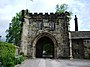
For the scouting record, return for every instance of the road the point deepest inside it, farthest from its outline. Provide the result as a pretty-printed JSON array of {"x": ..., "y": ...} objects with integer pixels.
[{"x": 55, "y": 63}]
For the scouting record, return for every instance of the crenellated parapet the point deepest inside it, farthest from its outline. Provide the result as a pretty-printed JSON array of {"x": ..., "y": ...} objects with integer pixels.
[{"x": 26, "y": 14}]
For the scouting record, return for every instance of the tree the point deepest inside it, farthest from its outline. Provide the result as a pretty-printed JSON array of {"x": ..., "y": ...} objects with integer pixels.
[
  {"x": 62, "y": 9},
  {"x": 14, "y": 31}
]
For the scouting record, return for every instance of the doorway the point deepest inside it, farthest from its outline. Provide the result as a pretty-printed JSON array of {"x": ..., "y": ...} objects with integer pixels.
[{"x": 44, "y": 48}]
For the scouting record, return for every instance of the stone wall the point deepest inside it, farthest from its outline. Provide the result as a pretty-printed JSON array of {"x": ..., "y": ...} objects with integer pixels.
[
  {"x": 24, "y": 37},
  {"x": 78, "y": 48}
]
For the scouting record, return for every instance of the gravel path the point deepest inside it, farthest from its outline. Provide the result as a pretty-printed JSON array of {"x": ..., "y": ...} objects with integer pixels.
[{"x": 54, "y": 63}]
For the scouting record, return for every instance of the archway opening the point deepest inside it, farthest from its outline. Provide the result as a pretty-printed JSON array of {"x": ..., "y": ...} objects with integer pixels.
[{"x": 45, "y": 48}]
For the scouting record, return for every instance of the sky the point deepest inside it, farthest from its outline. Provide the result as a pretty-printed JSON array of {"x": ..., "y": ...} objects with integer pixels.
[{"x": 9, "y": 8}]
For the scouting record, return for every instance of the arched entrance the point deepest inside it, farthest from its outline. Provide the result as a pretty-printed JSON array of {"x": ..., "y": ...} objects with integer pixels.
[
  {"x": 40, "y": 42},
  {"x": 45, "y": 48}
]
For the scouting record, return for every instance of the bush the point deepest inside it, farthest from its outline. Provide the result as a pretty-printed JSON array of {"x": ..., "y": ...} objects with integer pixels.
[
  {"x": 7, "y": 54},
  {"x": 0, "y": 64},
  {"x": 11, "y": 64},
  {"x": 19, "y": 59}
]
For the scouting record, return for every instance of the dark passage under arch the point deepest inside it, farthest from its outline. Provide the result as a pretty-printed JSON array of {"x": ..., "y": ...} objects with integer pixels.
[{"x": 45, "y": 48}]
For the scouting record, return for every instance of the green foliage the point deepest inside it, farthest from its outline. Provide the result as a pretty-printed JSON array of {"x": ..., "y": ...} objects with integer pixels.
[
  {"x": 19, "y": 59},
  {"x": 14, "y": 31},
  {"x": 7, "y": 54},
  {"x": 48, "y": 48},
  {"x": 0, "y": 64},
  {"x": 62, "y": 9}
]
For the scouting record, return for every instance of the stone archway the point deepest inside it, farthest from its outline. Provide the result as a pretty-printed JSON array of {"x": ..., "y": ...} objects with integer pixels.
[
  {"x": 44, "y": 48},
  {"x": 41, "y": 38}
]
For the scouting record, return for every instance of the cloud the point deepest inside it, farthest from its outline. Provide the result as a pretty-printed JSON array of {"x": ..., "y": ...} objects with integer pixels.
[
  {"x": 46, "y": 5},
  {"x": 9, "y": 8},
  {"x": 81, "y": 9}
]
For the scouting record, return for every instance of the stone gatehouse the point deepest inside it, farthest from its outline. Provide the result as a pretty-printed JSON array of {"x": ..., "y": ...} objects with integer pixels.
[{"x": 40, "y": 29}]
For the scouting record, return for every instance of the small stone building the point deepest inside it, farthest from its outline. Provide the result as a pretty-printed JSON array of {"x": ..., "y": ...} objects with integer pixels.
[
  {"x": 40, "y": 31},
  {"x": 80, "y": 44}
]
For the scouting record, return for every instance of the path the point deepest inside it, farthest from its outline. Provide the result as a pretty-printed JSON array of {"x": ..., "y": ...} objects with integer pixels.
[{"x": 55, "y": 63}]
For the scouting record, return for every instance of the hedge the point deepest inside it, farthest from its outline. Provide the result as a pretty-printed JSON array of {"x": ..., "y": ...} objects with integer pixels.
[
  {"x": 7, "y": 54},
  {"x": 19, "y": 59}
]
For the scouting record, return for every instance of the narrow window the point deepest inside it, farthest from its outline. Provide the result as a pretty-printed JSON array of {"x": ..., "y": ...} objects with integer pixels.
[
  {"x": 88, "y": 41},
  {"x": 76, "y": 51},
  {"x": 39, "y": 25},
  {"x": 52, "y": 26}
]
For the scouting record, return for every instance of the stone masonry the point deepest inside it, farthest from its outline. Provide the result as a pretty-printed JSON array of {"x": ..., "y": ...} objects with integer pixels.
[{"x": 36, "y": 26}]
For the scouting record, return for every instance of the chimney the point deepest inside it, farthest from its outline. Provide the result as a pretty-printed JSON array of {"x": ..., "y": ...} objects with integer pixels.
[
  {"x": 0, "y": 38},
  {"x": 76, "y": 23}
]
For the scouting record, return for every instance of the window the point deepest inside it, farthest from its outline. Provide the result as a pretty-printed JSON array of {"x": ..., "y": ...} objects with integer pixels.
[
  {"x": 88, "y": 41},
  {"x": 46, "y": 25},
  {"x": 76, "y": 51},
  {"x": 84, "y": 41},
  {"x": 40, "y": 25},
  {"x": 52, "y": 26}
]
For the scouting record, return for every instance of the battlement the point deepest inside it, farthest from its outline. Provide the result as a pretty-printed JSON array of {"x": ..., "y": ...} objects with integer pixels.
[{"x": 44, "y": 15}]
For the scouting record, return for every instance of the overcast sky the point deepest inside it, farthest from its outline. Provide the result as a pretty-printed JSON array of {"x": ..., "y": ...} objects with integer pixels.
[{"x": 9, "y": 8}]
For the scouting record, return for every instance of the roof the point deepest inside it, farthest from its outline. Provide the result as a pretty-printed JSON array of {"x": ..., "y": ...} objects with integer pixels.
[{"x": 80, "y": 34}]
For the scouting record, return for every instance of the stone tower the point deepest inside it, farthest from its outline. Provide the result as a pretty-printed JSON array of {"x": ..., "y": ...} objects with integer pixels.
[{"x": 40, "y": 29}]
